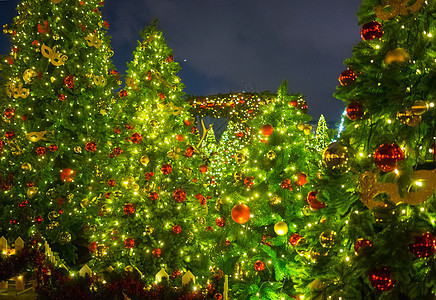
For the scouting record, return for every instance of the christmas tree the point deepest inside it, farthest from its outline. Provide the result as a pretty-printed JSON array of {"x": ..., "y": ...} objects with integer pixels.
[
  {"x": 375, "y": 237},
  {"x": 322, "y": 135},
  {"x": 57, "y": 90},
  {"x": 260, "y": 193},
  {"x": 151, "y": 212}
]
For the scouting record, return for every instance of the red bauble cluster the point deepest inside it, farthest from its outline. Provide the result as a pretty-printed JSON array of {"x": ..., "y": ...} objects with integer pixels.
[
  {"x": 69, "y": 81},
  {"x": 371, "y": 30},
  {"x": 39, "y": 219},
  {"x": 220, "y": 222},
  {"x": 248, "y": 181},
  {"x": 148, "y": 175},
  {"x": 92, "y": 247},
  {"x": 176, "y": 273},
  {"x": 53, "y": 148},
  {"x": 111, "y": 182},
  {"x": 361, "y": 245},
  {"x": 241, "y": 213},
  {"x": 22, "y": 204},
  {"x": 62, "y": 97},
  {"x": 347, "y": 77},
  {"x": 177, "y": 229},
  {"x": 314, "y": 204},
  {"x": 355, "y": 110},
  {"x": 157, "y": 252},
  {"x": 301, "y": 179},
  {"x": 179, "y": 195},
  {"x": 179, "y": 137},
  {"x": 201, "y": 198},
  {"x": 90, "y": 146},
  {"x": 189, "y": 152},
  {"x": 295, "y": 239},
  {"x": 9, "y": 134},
  {"x": 424, "y": 245},
  {"x": 136, "y": 138},
  {"x": 286, "y": 184},
  {"x": 153, "y": 196},
  {"x": 267, "y": 130},
  {"x": 9, "y": 112},
  {"x": 67, "y": 174},
  {"x": 123, "y": 93},
  {"x": 381, "y": 279},
  {"x": 149, "y": 76},
  {"x": 129, "y": 209},
  {"x": 203, "y": 169},
  {"x": 129, "y": 243},
  {"x": 166, "y": 169},
  {"x": 13, "y": 222},
  {"x": 41, "y": 151},
  {"x": 259, "y": 266},
  {"x": 386, "y": 157}
]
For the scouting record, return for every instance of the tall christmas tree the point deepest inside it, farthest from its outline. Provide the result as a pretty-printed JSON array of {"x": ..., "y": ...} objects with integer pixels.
[
  {"x": 56, "y": 91},
  {"x": 260, "y": 197},
  {"x": 150, "y": 216},
  {"x": 375, "y": 237}
]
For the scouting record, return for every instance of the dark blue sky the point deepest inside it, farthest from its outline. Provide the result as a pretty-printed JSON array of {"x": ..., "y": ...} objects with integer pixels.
[{"x": 233, "y": 45}]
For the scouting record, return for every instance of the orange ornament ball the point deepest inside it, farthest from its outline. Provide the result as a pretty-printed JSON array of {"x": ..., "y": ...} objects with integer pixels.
[
  {"x": 241, "y": 213},
  {"x": 267, "y": 129}
]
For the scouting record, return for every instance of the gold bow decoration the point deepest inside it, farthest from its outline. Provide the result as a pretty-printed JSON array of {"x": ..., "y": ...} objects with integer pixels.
[
  {"x": 93, "y": 41},
  {"x": 57, "y": 59},
  {"x": 392, "y": 8},
  {"x": 36, "y": 136},
  {"x": 15, "y": 149},
  {"x": 16, "y": 90},
  {"x": 100, "y": 80},
  {"x": 423, "y": 181}
]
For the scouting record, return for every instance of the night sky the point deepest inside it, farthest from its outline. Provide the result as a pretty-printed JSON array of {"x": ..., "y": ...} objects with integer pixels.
[{"x": 240, "y": 45}]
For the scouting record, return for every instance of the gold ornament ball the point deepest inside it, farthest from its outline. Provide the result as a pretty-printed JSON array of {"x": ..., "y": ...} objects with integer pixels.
[
  {"x": 56, "y": 37},
  {"x": 135, "y": 187},
  {"x": 335, "y": 157},
  {"x": 51, "y": 193},
  {"x": 104, "y": 210},
  {"x": 414, "y": 121},
  {"x": 148, "y": 229},
  {"x": 52, "y": 225},
  {"x": 31, "y": 192},
  {"x": 65, "y": 237},
  {"x": 53, "y": 215},
  {"x": 128, "y": 269},
  {"x": 271, "y": 154},
  {"x": 100, "y": 251},
  {"x": 153, "y": 123},
  {"x": 29, "y": 75},
  {"x": 398, "y": 55},
  {"x": 240, "y": 157},
  {"x": 281, "y": 228},
  {"x": 145, "y": 160},
  {"x": 117, "y": 194},
  {"x": 419, "y": 107},
  {"x": 275, "y": 200},
  {"x": 78, "y": 149},
  {"x": 26, "y": 167},
  {"x": 327, "y": 238}
]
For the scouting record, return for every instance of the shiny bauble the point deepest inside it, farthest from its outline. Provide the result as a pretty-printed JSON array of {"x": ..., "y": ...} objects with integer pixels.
[
  {"x": 281, "y": 228},
  {"x": 419, "y": 107},
  {"x": 271, "y": 154},
  {"x": 267, "y": 130},
  {"x": 145, "y": 160},
  {"x": 424, "y": 245},
  {"x": 129, "y": 209},
  {"x": 301, "y": 179},
  {"x": 336, "y": 157},
  {"x": 259, "y": 266},
  {"x": 313, "y": 202},
  {"x": 355, "y": 111},
  {"x": 295, "y": 239},
  {"x": 78, "y": 149},
  {"x": 129, "y": 243},
  {"x": 362, "y": 245},
  {"x": 386, "y": 157},
  {"x": 220, "y": 222},
  {"x": 32, "y": 191},
  {"x": 241, "y": 213},
  {"x": 371, "y": 30},
  {"x": 381, "y": 279},
  {"x": 327, "y": 238},
  {"x": 398, "y": 55},
  {"x": 347, "y": 78},
  {"x": 64, "y": 237}
]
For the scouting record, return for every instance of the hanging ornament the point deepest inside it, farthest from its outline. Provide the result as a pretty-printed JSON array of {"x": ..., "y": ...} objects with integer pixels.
[
  {"x": 281, "y": 228},
  {"x": 53, "y": 215},
  {"x": 203, "y": 169},
  {"x": 347, "y": 78},
  {"x": 267, "y": 130},
  {"x": 41, "y": 151},
  {"x": 240, "y": 158},
  {"x": 355, "y": 111},
  {"x": 157, "y": 252},
  {"x": 419, "y": 107},
  {"x": 386, "y": 157},
  {"x": 259, "y": 266},
  {"x": 335, "y": 157},
  {"x": 153, "y": 196},
  {"x": 179, "y": 195},
  {"x": 286, "y": 184},
  {"x": 271, "y": 155},
  {"x": 129, "y": 243},
  {"x": 218, "y": 296},
  {"x": 248, "y": 181},
  {"x": 295, "y": 239},
  {"x": 371, "y": 30},
  {"x": 312, "y": 199},
  {"x": 129, "y": 209},
  {"x": 32, "y": 191},
  {"x": 362, "y": 245},
  {"x": 77, "y": 149},
  {"x": 56, "y": 59},
  {"x": 237, "y": 176},
  {"x": 306, "y": 128},
  {"x": 424, "y": 245},
  {"x": 65, "y": 237},
  {"x": 9, "y": 112},
  {"x": 381, "y": 279},
  {"x": 43, "y": 28},
  {"x": 220, "y": 222},
  {"x": 111, "y": 182},
  {"x": 39, "y": 220},
  {"x": 136, "y": 138},
  {"x": 9, "y": 135},
  {"x": 407, "y": 117},
  {"x": 90, "y": 146},
  {"x": 241, "y": 213},
  {"x": 29, "y": 76},
  {"x": 179, "y": 137},
  {"x": 166, "y": 169},
  {"x": 53, "y": 148},
  {"x": 398, "y": 55},
  {"x": 144, "y": 160},
  {"x": 177, "y": 229},
  {"x": 67, "y": 174},
  {"x": 93, "y": 41},
  {"x": 301, "y": 179},
  {"x": 327, "y": 238}
]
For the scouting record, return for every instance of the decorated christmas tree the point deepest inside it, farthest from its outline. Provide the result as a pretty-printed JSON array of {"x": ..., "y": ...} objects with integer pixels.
[
  {"x": 375, "y": 237},
  {"x": 259, "y": 195},
  {"x": 56, "y": 86},
  {"x": 150, "y": 215}
]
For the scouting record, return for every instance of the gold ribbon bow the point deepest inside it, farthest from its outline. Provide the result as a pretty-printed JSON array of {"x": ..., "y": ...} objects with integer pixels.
[
  {"x": 100, "y": 80},
  {"x": 93, "y": 40},
  {"x": 16, "y": 90},
  {"x": 36, "y": 136},
  {"x": 55, "y": 58}
]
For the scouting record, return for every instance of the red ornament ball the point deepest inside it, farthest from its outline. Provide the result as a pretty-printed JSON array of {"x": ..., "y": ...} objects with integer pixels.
[
  {"x": 177, "y": 229},
  {"x": 90, "y": 146},
  {"x": 220, "y": 222},
  {"x": 62, "y": 97},
  {"x": 129, "y": 243},
  {"x": 179, "y": 195},
  {"x": 9, "y": 112},
  {"x": 69, "y": 81},
  {"x": 176, "y": 273},
  {"x": 314, "y": 204},
  {"x": 39, "y": 220},
  {"x": 67, "y": 174},
  {"x": 259, "y": 266},
  {"x": 203, "y": 169},
  {"x": 381, "y": 279},
  {"x": 386, "y": 157},
  {"x": 92, "y": 247},
  {"x": 123, "y": 93},
  {"x": 241, "y": 213},
  {"x": 361, "y": 245},
  {"x": 347, "y": 77},
  {"x": 53, "y": 148},
  {"x": 424, "y": 245},
  {"x": 189, "y": 152},
  {"x": 293, "y": 103},
  {"x": 153, "y": 196},
  {"x": 129, "y": 209},
  {"x": 248, "y": 181},
  {"x": 286, "y": 184},
  {"x": 157, "y": 252},
  {"x": 111, "y": 182},
  {"x": 179, "y": 137},
  {"x": 371, "y": 30},
  {"x": 218, "y": 296},
  {"x": 267, "y": 129},
  {"x": 355, "y": 110},
  {"x": 301, "y": 179},
  {"x": 166, "y": 169},
  {"x": 41, "y": 151},
  {"x": 9, "y": 134},
  {"x": 136, "y": 138},
  {"x": 22, "y": 204},
  {"x": 295, "y": 239},
  {"x": 13, "y": 222}
]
